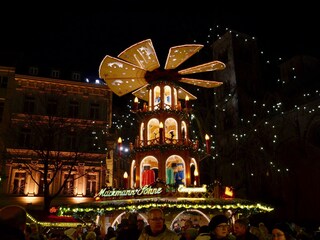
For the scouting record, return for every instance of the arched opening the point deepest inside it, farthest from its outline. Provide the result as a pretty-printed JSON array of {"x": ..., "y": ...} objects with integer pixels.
[{"x": 148, "y": 170}]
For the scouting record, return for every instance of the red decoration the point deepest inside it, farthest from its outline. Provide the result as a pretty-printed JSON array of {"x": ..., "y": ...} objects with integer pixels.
[{"x": 148, "y": 177}]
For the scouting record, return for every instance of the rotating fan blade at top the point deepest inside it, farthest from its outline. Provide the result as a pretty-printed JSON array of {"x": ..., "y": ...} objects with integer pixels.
[
  {"x": 179, "y": 54},
  {"x": 120, "y": 76},
  {"x": 141, "y": 54},
  {"x": 138, "y": 66},
  {"x": 201, "y": 83},
  {"x": 206, "y": 67}
]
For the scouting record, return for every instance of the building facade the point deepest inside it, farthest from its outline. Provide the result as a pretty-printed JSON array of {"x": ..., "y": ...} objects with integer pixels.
[{"x": 55, "y": 137}]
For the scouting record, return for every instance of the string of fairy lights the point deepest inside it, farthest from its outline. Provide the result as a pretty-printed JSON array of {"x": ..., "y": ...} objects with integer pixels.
[
  {"x": 264, "y": 117},
  {"x": 271, "y": 111}
]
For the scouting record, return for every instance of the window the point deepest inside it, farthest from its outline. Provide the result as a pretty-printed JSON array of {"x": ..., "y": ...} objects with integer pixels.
[
  {"x": 29, "y": 105},
  {"x": 25, "y": 137},
  {"x": 167, "y": 97},
  {"x": 41, "y": 183},
  {"x": 157, "y": 98},
  {"x": 69, "y": 186},
  {"x": 33, "y": 71},
  {"x": 92, "y": 143},
  {"x": 19, "y": 183},
  {"x": 55, "y": 73},
  {"x": 3, "y": 81},
  {"x": 91, "y": 185},
  {"x": 94, "y": 111},
  {"x": 76, "y": 76},
  {"x": 73, "y": 109},
  {"x": 1, "y": 110},
  {"x": 71, "y": 142},
  {"x": 52, "y": 107}
]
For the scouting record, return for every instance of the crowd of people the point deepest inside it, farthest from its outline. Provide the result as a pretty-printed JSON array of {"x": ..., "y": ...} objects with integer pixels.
[{"x": 13, "y": 226}]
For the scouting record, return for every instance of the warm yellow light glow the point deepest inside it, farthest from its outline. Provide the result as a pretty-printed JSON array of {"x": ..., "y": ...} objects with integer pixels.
[
  {"x": 125, "y": 175},
  {"x": 189, "y": 190},
  {"x": 161, "y": 125},
  {"x": 207, "y": 137},
  {"x": 32, "y": 200},
  {"x": 228, "y": 191},
  {"x": 136, "y": 100},
  {"x": 187, "y": 98},
  {"x": 206, "y": 67},
  {"x": 119, "y": 140},
  {"x": 179, "y": 54},
  {"x": 196, "y": 173},
  {"x": 77, "y": 200}
]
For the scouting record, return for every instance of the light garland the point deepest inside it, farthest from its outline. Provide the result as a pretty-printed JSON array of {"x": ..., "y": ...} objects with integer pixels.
[{"x": 139, "y": 205}]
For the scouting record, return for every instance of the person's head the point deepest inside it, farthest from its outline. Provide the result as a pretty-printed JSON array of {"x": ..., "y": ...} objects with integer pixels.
[
  {"x": 188, "y": 224},
  {"x": 125, "y": 223},
  {"x": 14, "y": 216},
  {"x": 91, "y": 236},
  {"x": 34, "y": 228},
  {"x": 191, "y": 233},
  {"x": 110, "y": 230},
  {"x": 79, "y": 228},
  {"x": 282, "y": 231},
  {"x": 176, "y": 227},
  {"x": 133, "y": 218},
  {"x": 156, "y": 220},
  {"x": 180, "y": 167},
  {"x": 219, "y": 226},
  {"x": 140, "y": 224},
  {"x": 263, "y": 229},
  {"x": 241, "y": 226},
  {"x": 146, "y": 166},
  {"x": 53, "y": 236}
]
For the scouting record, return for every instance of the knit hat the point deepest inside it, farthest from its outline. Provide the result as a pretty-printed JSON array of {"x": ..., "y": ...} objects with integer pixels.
[
  {"x": 284, "y": 227},
  {"x": 216, "y": 220}
]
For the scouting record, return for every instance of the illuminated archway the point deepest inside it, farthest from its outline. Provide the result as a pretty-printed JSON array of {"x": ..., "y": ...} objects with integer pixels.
[
  {"x": 185, "y": 214},
  {"x": 133, "y": 170},
  {"x": 153, "y": 129},
  {"x": 171, "y": 127},
  {"x": 152, "y": 163},
  {"x": 118, "y": 219},
  {"x": 173, "y": 164}
]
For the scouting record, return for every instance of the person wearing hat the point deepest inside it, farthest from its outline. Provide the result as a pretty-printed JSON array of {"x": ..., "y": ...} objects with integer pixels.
[
  {"x": 13, "y": 222},
  {"x": 282, "y": 231},
  {"x": 219, "y": 227}
]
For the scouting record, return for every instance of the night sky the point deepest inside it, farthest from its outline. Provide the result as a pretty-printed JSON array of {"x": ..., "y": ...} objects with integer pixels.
[{"x": 80, "y": 39}]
